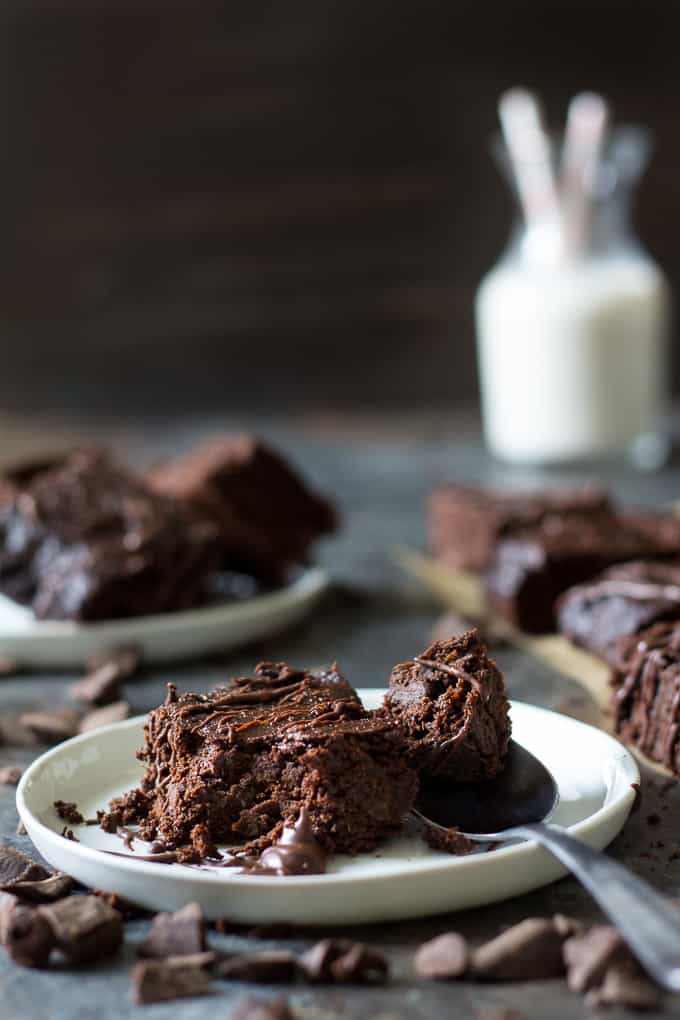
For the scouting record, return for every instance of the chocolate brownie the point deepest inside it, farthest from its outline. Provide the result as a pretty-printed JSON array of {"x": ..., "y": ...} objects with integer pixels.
[
  {"x": 234, "y": 765},
  {"x": 451, "y": 705},
  {"x": 534, "y": 565},
  {"x": 82, "y": 538},
  {"x": 647, "y": 693},
  {"x": 266, "y": 516},
  {"x": 603, "y": 614},
  {"x": 465, "y": 522}
]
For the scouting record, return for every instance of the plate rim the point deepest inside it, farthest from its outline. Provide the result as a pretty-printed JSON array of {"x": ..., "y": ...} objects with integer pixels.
[{"x": 622, "y": 804}]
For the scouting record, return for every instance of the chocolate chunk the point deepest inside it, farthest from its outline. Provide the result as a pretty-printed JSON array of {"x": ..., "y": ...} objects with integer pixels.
[
  {"x": 10, "y": 775},
  {"x": 177, "y": 934},
  {"x": 17, "y": 867},
  {"x": 113, "y": 713},
  {"x": 84, "y": 927},
  {"x": 360, "y": 964},
  {"x": 51, "y": 727},
  {"x": 442, "y": 958},
  {"x": 626, "y": 985},
  {"x": 128, "y": 911},
  {"x": 530, "y": 950},
  {"x": 268, "y": 967},
  {"x": 68, "y": 811},
  {"x": 99, "y": 687},
  {"x": 588, "y": 956},
  {"x": 163, "y": 980},
  {"x": 24, "y": 933},
  {"x": 567, "y": 926},
  {"x": 341, "y": 960},
  {"x": 126, "y": 659},
  {"x": 44, "y": 890},
  {"x": 261, "y": 1009}
]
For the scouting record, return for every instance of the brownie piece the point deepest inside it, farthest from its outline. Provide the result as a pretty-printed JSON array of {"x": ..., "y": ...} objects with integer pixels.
[
  {"x": 536, "y": 564},
  {"x": 234, "y": 765},
  {"x": 647, "y": 693},
  {"x": 603, "y": 614},
  {"x": 266, "y": 516},
  {"x": 465, "y": 522},
  {"x": 82, "y": 538},
  {"x": 451, "y": 705}
]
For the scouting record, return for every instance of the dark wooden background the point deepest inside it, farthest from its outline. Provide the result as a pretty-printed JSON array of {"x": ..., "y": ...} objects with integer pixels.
[{"x": 283, "y": 203}]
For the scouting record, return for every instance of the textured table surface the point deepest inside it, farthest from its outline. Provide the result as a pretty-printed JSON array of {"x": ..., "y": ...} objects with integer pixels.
[{"x": 380, "y": 470}]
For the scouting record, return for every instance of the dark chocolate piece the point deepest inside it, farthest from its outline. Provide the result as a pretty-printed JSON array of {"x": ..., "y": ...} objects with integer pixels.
[
  {"x": 588, "y": 956},
  {"x": 273, "y": 966},
  {"x": 164, "y": 980},
  {"x": 603, "y": 614},
  {"x": 237, "y": 763},
  {"x": 51, "y": 727},
  {"x": 84, "y": 927},
  {"x": 340, "y": 960},
  {"x": 24, "y": 933},
  {"x": 451, "y": 706},
  {"x": 113, "y": 713},
  {"x": 43, "y": 890},
  {"x": 17, "y": 867},
  {"x": 530, "y": 950},
  {"x": 625, "y": 984},
  {"x": 646, "y": 698},
  {"x": 533, "y": 566},
  {"x": 10, "y": 775},
  {"x": 261, "y": 1009},
  {"x": 265, "y": 515},
  {"x": 465, "y": 522},
  {"x": 443, "y": 958},
  {"x": 68, "y": 812},
  {"x": 178, "y": 934},
  {"x": 84, "y": 539}
]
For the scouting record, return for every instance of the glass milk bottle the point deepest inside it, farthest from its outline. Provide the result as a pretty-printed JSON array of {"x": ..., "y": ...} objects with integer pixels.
[{"x": 572, "y": 341}]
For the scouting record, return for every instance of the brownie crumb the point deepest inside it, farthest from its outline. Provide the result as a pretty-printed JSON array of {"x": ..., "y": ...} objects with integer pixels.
[
  {"x": 178, "y": 934},
  {"x": 164, "y": 980},
  {"x": 69, "y": 834},
  {"x": 448, "y": 841},
  {"x": 68, "y": 812},
  {"x": 10, "y": 775},
  {"x": 442, "y": 958},
  {"x": 84, "y": 927},
  {"x": 261, "y": 1009}
]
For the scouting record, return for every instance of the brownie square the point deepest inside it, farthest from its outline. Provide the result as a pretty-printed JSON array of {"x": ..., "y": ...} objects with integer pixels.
[
  {"x": 535, "y": 565},
  {"x": 234, "y": 765},
  {"x": 465, "y": 522},
  {"x": 81, "y": 538},
  {"x": 603, "y": 614},
  {"x": 647, "y": 693},
  {"x": 450, "y": 703},
  {"x": 266, "y": 516}
]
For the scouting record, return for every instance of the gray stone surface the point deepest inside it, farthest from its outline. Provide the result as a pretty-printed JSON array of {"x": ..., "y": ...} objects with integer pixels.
[{"x": 380, "y": 471}]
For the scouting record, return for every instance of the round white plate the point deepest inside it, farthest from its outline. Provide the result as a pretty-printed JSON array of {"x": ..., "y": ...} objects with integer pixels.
[
  {"x": 402, "y": 879},
  {"x": 163, "y": 638}
]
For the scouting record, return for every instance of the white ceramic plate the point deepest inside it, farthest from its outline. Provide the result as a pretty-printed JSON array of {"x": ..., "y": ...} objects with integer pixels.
[
  {"x": 163, "y": 638},
  {"x": 402, "y": 879}
]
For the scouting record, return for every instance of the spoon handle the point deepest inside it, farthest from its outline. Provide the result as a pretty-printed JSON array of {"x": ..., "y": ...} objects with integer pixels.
[{"x": 645, "y": 920}]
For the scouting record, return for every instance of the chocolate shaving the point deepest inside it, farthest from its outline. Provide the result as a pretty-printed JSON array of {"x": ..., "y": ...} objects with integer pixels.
[
  {"x": 10, "y": 775},
  {"x": 443, "y": 958},
  {"x": 68, "y": 812},
  {"x": 530, "y": 950},
  {"x": 113, "y": 713},
  {"x": 164, "y": 980},
  {"x": 261, "y": 1009},
  {"x": 274, "y": 966},
  {"x": 84, "y": 927},
  {"x": 178, "y": 934}
]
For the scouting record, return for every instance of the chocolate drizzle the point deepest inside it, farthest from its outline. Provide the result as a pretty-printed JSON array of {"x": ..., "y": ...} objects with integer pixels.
[{"x": 296, "y": 852}]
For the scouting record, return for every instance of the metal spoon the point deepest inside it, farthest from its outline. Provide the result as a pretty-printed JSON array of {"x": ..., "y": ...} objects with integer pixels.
[{"x": 518, "y": 804}]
